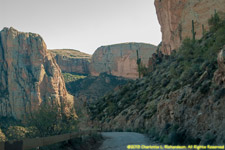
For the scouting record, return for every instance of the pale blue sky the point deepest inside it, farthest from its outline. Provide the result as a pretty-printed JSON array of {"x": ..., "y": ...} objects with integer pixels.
[{"x": 84, "y": 25}]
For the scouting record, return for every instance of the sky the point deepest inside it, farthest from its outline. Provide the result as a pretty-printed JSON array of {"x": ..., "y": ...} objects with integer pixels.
[{"x": 83, "y": 25}]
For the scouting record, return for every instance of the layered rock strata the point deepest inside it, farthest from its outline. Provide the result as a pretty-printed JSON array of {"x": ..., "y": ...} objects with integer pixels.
[{"x": 29, "y": 75}]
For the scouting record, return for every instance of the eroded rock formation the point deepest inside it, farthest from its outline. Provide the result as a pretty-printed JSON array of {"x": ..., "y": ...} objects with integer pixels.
[
  {"x": 175, "y": 18},
  {"x": 29, "y": 75},
  {"x": 219, "y": 75},
  {"x": 72, "y": 61},
  {"x": 120, "y": 59}
]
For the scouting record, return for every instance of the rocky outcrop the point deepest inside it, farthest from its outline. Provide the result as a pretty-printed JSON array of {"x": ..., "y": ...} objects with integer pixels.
[
  {"x": 72, "y": 61},
  {"x": 175, "y": 18},
  {"x": 120, "y": 59},
  {"x": 219, "y": 75},
  {"x": 29, "y": 75}
]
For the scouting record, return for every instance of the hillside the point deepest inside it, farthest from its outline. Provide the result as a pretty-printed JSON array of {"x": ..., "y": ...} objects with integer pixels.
[
  {"x": 91, "y": 88},
  {"x": 181, "y": 101}
]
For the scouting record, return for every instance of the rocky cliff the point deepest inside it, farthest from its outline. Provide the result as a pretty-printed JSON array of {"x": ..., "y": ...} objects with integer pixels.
[
  {"x": 72, "y": 61},
  {"x": 175, "y": 18},
  {"x": 120, "y": 59},
  {"x": 29, "y": 75}
]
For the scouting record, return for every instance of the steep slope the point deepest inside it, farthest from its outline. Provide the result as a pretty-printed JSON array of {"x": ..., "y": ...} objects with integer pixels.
[
  {"x": 181, "y": 101},
  {"x": 120, "y": 59},
  {"x": 91, "y": 88},
  {"x": 72, "y": 61},
  {"x": 175, "y": 18},
  {"x": 29, "y": 75}
]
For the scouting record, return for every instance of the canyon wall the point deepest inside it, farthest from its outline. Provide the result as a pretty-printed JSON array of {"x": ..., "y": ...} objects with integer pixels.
[
  {"x": 72, "y": 61},
  {"x": 120, "y": 59},
  {"x": 29, "y": 75},
  {"x": 175, "y": 18}
]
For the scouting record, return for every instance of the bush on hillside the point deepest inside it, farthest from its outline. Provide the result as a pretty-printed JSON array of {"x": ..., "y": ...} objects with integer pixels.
[
  {"x": 16, "y": 132},
  {"x": 68, "y": 77},
  {"x": 2, "y": 136},
  {"x": 214, "y": 21},
  {"x": 50, "y": 120}
]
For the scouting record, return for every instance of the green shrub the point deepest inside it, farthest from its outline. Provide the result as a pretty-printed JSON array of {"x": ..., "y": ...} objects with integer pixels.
[
  {"x": 208, "y": 139},
  {"x": 50, "y": 120},
  {"x": 214, "y": 21},
  {"x": 174, "y": 136},
  {"x": 68, "y": 77},
  {"x": 119, "y": 130},
  {"x": 165, "y": 82},
  {"x": 192, "y": 141},
  {"x": 16, "y": 132},
  {"x": 219, "y": 93},
  {"x": 129, "y": 130},
  {"x": 153, "y": 133},
  {"x": 2, "y": 136},
  {"x": 111, "y": 107},
  {"x": 204, "y": 88}
]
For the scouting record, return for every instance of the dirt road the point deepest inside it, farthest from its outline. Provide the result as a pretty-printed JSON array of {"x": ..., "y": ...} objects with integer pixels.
[{"x": 120, "y": 140}]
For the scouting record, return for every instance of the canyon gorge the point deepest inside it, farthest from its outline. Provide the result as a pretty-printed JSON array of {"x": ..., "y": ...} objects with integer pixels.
[{"x": 179, "y": 99}]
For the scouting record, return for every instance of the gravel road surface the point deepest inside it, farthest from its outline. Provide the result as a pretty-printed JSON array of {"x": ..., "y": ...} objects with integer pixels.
[{"x": 120, "y": 140}]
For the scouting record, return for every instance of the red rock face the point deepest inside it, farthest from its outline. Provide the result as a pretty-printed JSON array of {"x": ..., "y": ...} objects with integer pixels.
[
  {"x": 175, "y": 18},
  {"x": 72, "y": 61},
  {"x": 29, "y": 75},
  {"x": 73, "y": 65},
  {"x": 120, "y": 59}
]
